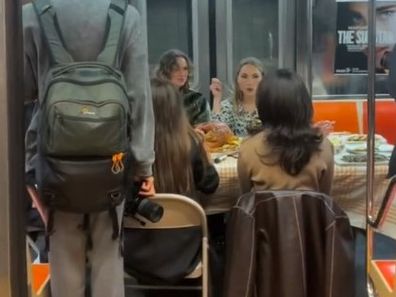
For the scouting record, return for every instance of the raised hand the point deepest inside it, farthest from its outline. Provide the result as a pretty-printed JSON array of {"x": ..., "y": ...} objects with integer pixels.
[
  {"x": 326, "y": 127},
  {"x": 216, "y": 88}
]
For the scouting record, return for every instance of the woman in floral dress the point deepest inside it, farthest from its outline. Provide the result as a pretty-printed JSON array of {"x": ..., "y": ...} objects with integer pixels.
[{"x": 239, "y": 112}]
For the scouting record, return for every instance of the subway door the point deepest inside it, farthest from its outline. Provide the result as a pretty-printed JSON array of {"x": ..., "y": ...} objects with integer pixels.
[
  {"x": 178, "y": 24},
  {"x": 260, "y": 28}
]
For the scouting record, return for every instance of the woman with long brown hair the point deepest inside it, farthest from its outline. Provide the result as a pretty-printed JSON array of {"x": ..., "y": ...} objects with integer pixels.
[
  {"x": 181, "y": 167},
  {"x": 176, "y": 67},
  {"x": 181, "y": 162}
]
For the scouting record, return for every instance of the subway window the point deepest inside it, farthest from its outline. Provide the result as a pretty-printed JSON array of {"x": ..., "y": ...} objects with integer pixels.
[
  {"x": 255, "y": 30},
  {"x": 169, "y": 26}
]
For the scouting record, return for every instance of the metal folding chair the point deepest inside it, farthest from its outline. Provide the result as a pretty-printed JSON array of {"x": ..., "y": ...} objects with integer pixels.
[
  {"x": 382, "y": 273},
  {"x": 179, "y": 212}
]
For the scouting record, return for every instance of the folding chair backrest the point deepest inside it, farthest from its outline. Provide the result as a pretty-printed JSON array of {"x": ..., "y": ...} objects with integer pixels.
[
  {"x": 386, "y": 204},
  {"x": 179, "y": 212}
]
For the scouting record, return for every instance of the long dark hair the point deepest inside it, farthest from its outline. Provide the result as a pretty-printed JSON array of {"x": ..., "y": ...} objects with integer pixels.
[
  {"x": 172, "y": 166},
  {"x": 167, "y": 64},
  {"x": 285, "y": 109}
]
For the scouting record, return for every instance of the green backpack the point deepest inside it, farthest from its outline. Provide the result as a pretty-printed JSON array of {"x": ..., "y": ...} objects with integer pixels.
[{"x": 84, "y": 115}]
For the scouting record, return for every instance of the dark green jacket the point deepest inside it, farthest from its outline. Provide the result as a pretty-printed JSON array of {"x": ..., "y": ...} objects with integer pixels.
[{"x": 197, "y": 107}]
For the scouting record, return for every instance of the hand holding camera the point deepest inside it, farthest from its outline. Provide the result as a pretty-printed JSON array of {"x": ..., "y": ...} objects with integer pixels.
[
  {"x": 147, "y": 188},
  {"x": 138, "y": 203}
]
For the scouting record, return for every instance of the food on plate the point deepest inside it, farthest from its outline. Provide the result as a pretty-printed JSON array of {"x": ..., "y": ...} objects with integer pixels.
[
  {"x": 356, "y": 148},
  {"x": 335, "y": 140},
  {"x": 357, "y": 138},
  {"x": 360, "y": 158},
  {"x": 363, "y": 138},
  {"x": 385, "y": 148},
  {"x": 361, "y": 148},
  {"x": 218, "y": 137},
  {"x": 337, "y": 143}
]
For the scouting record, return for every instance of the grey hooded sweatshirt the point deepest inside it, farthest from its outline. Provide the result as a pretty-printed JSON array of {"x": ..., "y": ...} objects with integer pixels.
[{"x": 83, "y": 24}]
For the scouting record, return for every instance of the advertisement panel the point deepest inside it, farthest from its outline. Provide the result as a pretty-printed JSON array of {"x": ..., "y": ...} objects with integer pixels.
[{"x": 352, "y": 35}]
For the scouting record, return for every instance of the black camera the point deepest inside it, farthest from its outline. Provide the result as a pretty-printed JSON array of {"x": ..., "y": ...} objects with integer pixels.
[{"x": 136, "y": 205}]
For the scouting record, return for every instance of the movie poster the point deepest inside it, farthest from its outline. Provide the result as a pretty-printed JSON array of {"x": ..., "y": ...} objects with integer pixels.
[{"x": 352, "y": 35}]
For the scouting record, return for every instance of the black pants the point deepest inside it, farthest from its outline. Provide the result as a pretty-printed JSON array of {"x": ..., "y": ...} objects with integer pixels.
[{"x": 216, "y": 226}]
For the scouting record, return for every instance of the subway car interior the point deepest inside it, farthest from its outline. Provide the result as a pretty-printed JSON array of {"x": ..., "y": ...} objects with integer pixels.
[{"x": 343, "y": 52}]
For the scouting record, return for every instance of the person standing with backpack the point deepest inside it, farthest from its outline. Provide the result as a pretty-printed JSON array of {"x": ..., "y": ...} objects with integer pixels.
[{"x": 92, "y": 136}]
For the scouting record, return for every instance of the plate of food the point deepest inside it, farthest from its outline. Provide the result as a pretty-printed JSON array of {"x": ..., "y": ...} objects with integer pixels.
[
  {"x": 359, "y": 159},
  {"x": 337, "y": 142},
  {"x": 361, "y": 148},
  {"x": 218, "y": 138},
  {"x": 230, "y": 145},
  {"x": 385, "y": 148},
  {"x": 358, "y": 138},
  {"x": 356, "y": 148}
]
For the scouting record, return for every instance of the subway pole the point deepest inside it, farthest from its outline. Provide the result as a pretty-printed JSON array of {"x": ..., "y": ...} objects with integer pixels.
[
  {"x": 371, "y": 77},
  {"x": 13, "y": 281}
]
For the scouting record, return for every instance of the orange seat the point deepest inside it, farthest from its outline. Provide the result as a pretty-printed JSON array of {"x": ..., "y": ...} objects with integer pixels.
[
  {"x": 388, "y": 270},
  {"x": 40, "y": 277},
  {"x": 343, "y": 113},
  {"x": 385, "y": 119},
  {"x": 383, "y": 276}
]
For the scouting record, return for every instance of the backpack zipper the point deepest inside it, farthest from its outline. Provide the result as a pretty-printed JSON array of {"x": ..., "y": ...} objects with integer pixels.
[{"x": 101, "y": 81}]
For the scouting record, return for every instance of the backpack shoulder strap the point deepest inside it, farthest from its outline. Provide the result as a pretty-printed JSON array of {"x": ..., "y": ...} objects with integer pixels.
[
  {"x": 115, "y": 23},
  {"x": 51, "y": 32}
]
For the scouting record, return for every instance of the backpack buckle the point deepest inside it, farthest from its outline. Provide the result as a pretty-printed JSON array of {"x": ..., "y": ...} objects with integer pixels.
[{"x": 118, "y": 165}]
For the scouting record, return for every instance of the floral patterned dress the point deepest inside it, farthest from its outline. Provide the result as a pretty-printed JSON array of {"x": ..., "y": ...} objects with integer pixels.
[{"x": 238, "y": 120}]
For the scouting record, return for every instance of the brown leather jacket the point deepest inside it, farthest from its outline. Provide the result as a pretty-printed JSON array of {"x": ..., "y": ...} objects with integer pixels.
[{"x": 288, "y": 244}]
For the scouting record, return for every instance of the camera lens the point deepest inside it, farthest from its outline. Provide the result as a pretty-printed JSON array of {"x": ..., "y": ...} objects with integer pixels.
[{"x": 150, "y": 210}]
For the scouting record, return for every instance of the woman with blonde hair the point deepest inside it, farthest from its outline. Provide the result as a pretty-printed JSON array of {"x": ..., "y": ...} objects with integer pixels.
[{"x": 239, "y": 112}]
